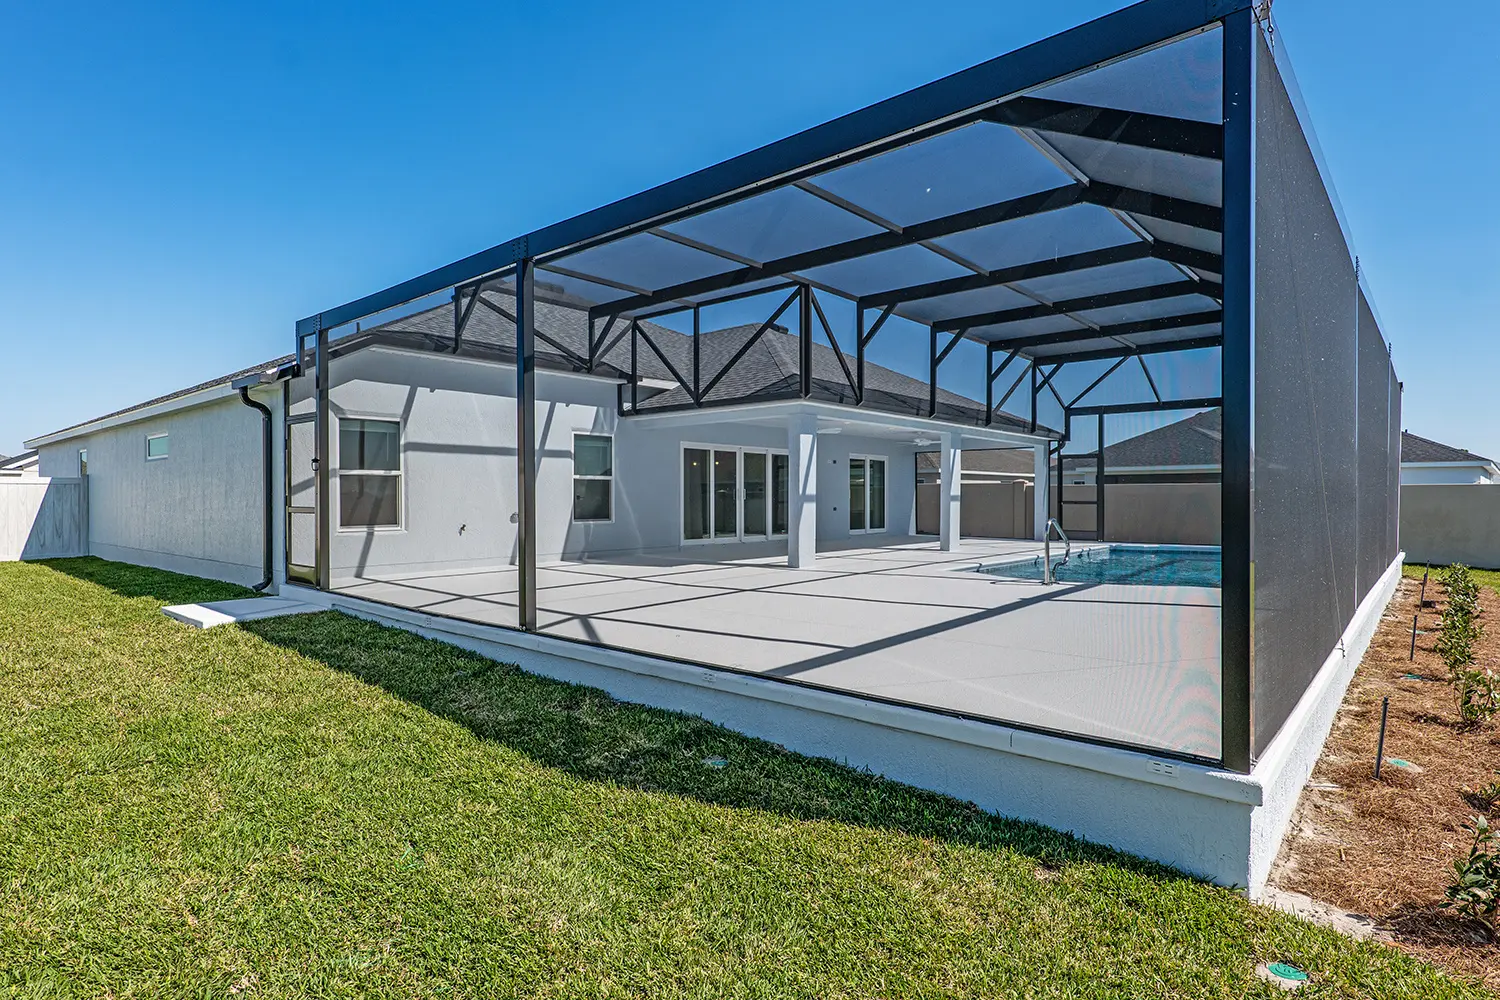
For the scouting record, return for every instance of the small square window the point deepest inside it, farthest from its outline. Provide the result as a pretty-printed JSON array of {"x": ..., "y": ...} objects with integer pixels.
[{"x": 156, "y": 447}]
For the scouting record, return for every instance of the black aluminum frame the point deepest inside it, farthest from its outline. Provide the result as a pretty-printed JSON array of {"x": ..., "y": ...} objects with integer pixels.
[{"x": 969, "y": 95}]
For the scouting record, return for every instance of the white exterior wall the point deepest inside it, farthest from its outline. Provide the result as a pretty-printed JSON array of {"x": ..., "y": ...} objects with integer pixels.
[
  {"x": 198, "y": 511},
  {"x": 459, "y": 472},
  {"x": 1444, "y": 474}
]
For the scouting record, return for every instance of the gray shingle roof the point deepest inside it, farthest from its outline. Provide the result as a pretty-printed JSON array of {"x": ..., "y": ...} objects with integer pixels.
[
  {"x": 1009, "y": 461},
  {"x": 1198, "y": 440},
  {"x": 1420, "y": 449},
  {"x": 211, "y": 383},
  {"x": 767, "y": 371}
]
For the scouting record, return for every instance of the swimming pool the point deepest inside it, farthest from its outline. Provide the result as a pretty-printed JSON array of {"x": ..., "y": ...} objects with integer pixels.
[{"x": 1146, "y": 565}]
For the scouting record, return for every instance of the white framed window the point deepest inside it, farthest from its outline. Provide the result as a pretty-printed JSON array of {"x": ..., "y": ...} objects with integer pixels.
[
  {"x": 867, "y": 493},
  {"x": 593, "y": 477},
  {"x": 370, "y": 473},
  {"x": 157, "y": 447}
]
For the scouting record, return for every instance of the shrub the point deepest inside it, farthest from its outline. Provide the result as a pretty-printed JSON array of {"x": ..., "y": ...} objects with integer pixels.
[
  {"x": 1475, "y": 690},
  {"x": 1478, "y": 696},
  {"x": 1475, "y": 892}
]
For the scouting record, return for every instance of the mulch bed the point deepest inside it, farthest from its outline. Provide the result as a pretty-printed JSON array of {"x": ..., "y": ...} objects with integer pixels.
[{"x": 1384, "y": 848}]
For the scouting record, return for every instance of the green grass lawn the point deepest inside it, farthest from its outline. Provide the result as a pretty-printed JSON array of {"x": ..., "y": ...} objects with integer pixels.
[
  {"x": 1484, "y": 577},
  {"x": 319, "y": 806}
]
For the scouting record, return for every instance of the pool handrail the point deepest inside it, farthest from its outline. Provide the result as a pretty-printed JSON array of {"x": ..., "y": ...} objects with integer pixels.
[{"x": 1048, "y": 576}]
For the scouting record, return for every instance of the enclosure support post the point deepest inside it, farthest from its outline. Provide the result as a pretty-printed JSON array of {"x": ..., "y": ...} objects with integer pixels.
[
  {"x": 859, "y": 355},
  {"x": 1062, "y": 445},
  {"x": 697, "y": 359},
  {"x": 1238, "y": 596},
  {"x": 1031, "y": 424},
  {"x": 323, "y": 457},
  {"x": 989, "y": 383},
  {"x": 950, "y": 495},
  {"x": 1099, "y": 483},
  {"x": 526, "y": 442},
  {"x": 1041, "y": 488},
  {"x": 932, "y": 369},
  {"x": 804, "y": 322},
  {"x": 802, "y": 503}
]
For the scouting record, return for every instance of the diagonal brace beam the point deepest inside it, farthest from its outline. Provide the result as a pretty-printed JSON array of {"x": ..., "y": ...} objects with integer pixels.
[{"x": 749, "y": 343}]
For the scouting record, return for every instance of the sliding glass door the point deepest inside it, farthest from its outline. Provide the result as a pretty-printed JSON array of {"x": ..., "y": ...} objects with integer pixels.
[
  {"x": 866, "y": 493},
  {"x": 755, "y": 513},
  {"x": 726, "y": 494},
  {"x": 697, "y": 480},
  {"x": 733, "y": 493},
  {"x": 781, "y": 477}
]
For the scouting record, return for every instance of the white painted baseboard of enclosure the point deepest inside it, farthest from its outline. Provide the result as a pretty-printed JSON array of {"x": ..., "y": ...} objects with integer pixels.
[{"x": 1288, "y": 762}]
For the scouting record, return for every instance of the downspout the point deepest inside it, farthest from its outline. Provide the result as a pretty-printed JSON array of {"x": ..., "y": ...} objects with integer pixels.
[{"x": 267, "y": 560}]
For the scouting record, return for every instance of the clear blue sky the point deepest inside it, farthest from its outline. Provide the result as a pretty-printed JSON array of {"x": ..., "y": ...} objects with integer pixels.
[{"x": 177, "y": 187}]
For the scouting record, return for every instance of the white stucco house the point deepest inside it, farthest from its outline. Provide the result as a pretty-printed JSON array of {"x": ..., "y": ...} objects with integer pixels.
[
  {"x": 419, "y": 489},
  {"x": 1425, "y": 462}
]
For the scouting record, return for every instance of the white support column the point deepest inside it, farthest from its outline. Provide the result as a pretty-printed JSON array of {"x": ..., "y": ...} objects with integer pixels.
[
  {"x": 950, "y": 492},
  {"x": 1041, "y": 491},
  {"x": 802, "y": 503}
]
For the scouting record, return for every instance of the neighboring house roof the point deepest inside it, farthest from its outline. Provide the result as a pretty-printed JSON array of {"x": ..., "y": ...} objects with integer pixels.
[
  {"x": 1005, "y": 461},
  {"x": 1198, "y": 441},
  {"x": 17, "y": 463},
  {"x": 1416, "y": 449},
  {"x": 1195, "y": 441}
]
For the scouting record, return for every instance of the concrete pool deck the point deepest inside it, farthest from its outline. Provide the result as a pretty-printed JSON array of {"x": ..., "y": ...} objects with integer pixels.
[{"x": 896, "y": 619}]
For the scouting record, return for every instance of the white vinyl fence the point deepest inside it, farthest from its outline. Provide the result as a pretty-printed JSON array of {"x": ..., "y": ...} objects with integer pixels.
[{"x": 43, "y": 518}]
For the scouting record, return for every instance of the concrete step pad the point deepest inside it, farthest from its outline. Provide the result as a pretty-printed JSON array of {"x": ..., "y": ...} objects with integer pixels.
[{"x": 212, "y": 613}]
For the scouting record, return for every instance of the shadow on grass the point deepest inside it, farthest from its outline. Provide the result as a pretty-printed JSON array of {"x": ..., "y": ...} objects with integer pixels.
[
  {"x": 141, "y": 581},
  {"x": 589, "y": 734},
  {"x": 1434, "y": 927}
]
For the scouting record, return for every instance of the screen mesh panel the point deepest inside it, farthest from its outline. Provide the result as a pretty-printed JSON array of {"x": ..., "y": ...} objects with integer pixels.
[
  {"x": 1309, "y": 499},
  {"x": 1393, "y": 468},
  {"x": 1375, "y": 551}
]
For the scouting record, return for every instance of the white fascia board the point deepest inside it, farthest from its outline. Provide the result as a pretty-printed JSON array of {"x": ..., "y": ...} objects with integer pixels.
[
  {"x": 212, "y": 394},
  {"x": 775, "y": 409},
  {"x": 1451, "y": 465}
]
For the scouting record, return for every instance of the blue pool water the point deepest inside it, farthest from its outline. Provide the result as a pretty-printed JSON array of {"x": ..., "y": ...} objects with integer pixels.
[{"x": 1130, "y": 564}]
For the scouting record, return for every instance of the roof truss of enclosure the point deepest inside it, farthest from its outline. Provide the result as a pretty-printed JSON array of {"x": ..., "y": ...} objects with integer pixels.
[{"x": 1059, "y": 204}]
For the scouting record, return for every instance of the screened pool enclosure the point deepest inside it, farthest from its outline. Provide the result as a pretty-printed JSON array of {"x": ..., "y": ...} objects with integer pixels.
[{"x": 686, "y": 424}]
